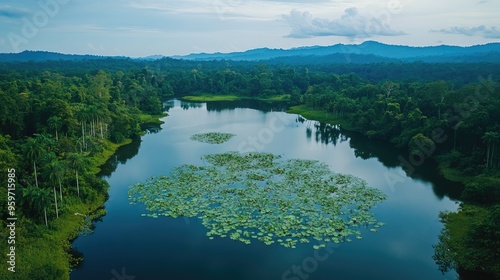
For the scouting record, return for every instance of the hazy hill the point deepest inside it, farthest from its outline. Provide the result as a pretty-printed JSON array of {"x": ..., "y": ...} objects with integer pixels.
[
  {"x": 370, "y": 48},
  {"x": 367, "y": 52},
  {"x": 38, "y": 56}
]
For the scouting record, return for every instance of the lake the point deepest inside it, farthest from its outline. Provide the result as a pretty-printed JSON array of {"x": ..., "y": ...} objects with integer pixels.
[{"x": 125, "y": 245}]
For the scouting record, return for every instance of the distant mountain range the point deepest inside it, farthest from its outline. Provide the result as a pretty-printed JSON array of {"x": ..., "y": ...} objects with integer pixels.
[
  {"x": 39, "y": 56},
  {"x": 366, "y": 48},
  {"x": 367, "y": 52}
]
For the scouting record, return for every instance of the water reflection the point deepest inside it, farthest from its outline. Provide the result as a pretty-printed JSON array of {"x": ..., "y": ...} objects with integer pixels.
[
  {"x": 121, "y": 156},
  {"x": 151, "y": 128},
  {"x": 186, "y": 105},
  {"x": 167, "y": 105},
  {"x": 250, "y": 103},
  {"x": 385, "y": 153},
  {"x": 328, "y": 134}
]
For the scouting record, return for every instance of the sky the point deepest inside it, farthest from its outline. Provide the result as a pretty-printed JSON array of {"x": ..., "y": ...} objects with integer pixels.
[{"x": 138, "y": 28}]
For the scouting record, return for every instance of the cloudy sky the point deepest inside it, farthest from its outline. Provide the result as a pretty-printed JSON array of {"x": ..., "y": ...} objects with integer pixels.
[{"x": 174, "y": 27}]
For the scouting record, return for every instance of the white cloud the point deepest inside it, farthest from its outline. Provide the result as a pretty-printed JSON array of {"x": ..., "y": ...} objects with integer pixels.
[
  {"x": 491, "y": 32},
  {"x": 144, "y": 27},
  {"x": 352, "y": 24}
]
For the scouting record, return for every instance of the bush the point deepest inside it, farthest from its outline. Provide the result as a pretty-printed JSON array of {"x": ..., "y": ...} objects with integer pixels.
[
  {"x": 117, "y": 137},
  {"x": 421, "y": 145},
  {"x": 482, "y": 190}
]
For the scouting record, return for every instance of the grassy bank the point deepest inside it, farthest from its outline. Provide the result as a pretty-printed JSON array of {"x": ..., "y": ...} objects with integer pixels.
[
  {"x": 319, "y": 115},
  {"x": 43, "y": 252},
  {"x": 278, "y": 98},
  {"x": 211, "y": 98},
  {"x": 152, "y": 119},
  {"x": 109, "y": 150}
]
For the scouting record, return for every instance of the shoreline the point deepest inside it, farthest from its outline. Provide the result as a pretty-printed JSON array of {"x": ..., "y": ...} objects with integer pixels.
[
  {"x": 220, "y": 97},
  {"x": 443, "y": 169},
  {"x": 98, "y": 209},
  {"x": 456, "y": 224},
  {"x": 35, "y": 240}
]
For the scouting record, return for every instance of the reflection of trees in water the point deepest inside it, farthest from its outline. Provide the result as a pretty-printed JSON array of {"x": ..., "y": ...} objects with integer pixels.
[
  {"x": 121, "y": 156},
  {"x": 219, "y": 106},
  {"x": 328, "y": 134},
  {"x": 76, "y": 260},
  {"x": 264, "y": 106},
  {"x": 385, "y": 153},
  {"x": 167, "y": 105},
  {"x": 390, "y": 157},
  {"x": 369, "y": 148},
  {"x": 77, "y": 257},
  {"x": 151, "y": 128},
  {"x": 324, "y": 133},
  {"x": 187, "y": 105}
]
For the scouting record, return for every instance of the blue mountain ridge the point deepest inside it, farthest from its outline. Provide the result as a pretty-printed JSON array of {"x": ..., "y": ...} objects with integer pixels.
[
  {"x": 367, "y": 52},
  {"x": 366, "y": 48}
]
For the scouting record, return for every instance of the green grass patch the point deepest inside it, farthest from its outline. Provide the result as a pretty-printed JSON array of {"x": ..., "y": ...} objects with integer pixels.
[
  {"x": 278, "y": 98},
  {"x": 319, "y": 115},
  {"x": 109, "y": 150},
  {"x": 152, "y": 119},
  {"x": 210, "y": 98},
  {"x": 43, "y": 252},
  {"x": 452, "y": 174}
]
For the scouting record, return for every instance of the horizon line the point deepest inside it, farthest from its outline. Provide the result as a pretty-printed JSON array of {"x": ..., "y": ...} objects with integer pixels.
[{"x": 247, "y": 50}]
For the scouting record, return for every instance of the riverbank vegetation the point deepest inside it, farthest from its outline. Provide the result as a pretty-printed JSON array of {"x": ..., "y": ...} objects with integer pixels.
[
  {"x": 60, "y": 120},
  {"x": 212, "y": 98},
  {"x": 57, "y": 130}
]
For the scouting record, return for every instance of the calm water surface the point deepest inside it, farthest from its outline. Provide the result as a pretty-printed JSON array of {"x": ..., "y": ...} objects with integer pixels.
[{"x": 125, "y": 245}]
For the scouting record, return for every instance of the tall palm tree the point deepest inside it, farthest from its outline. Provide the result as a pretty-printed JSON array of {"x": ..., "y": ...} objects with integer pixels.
[
  {"x": 56, "y": 170},
  {"x": 490, "y": 138},
  {"x": 37, "y": 198},
  {"x": 78, "y": 162},
  {"x": 55, "y": 201},
  {"x": 94, "y": 113},
  {"x": 34, "y": 152},
  {"x": 83, "y": 116},
  {"x": 55, "y": 123}
]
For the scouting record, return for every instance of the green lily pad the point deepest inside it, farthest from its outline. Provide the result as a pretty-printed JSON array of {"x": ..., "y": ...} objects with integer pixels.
[
  {"x": 212, "y": 137},
  {"x": 264, "y": 197}
]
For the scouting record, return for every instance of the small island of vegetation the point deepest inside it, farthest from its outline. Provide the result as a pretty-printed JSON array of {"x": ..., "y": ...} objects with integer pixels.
[{"x": 212, "y": 137}]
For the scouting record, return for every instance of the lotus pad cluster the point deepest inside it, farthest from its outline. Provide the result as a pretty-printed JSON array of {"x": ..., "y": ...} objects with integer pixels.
[
  {"x": 260, "y": 196},
  {"x": 212, "y": 137}
]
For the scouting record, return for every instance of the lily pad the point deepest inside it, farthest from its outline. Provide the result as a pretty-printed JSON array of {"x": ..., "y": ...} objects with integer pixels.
[
  {"x": 212, "y": 137},
  {"x": 262, "y": 196}
]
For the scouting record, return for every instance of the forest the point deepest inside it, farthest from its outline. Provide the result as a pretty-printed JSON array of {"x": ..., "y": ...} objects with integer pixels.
[{"x": 59, "y": 121}]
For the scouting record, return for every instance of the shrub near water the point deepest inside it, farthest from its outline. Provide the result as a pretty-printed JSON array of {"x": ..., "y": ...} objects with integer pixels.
[{"x": 261, "y": 196}]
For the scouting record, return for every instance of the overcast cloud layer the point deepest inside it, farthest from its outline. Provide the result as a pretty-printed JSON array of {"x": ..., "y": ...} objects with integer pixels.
[{"x": 145, "y": 27}]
